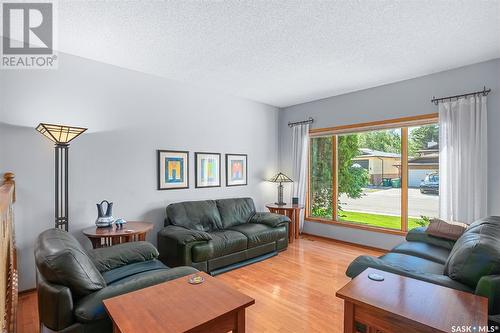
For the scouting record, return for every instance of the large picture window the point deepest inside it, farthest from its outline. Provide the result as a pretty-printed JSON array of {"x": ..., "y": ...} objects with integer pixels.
[{"x": 383, "y": 176}]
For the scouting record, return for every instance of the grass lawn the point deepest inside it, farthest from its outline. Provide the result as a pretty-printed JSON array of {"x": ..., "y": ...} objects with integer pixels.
[{"x": 377, "y": 220}]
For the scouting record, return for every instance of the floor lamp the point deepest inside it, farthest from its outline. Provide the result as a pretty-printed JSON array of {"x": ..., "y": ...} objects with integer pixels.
[{"x": 61, "y": 136}]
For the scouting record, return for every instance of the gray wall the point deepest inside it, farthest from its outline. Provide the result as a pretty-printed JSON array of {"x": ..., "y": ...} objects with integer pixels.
[
  {"x": 129, "y": 116},
  {"x": 405, "y": 98}
]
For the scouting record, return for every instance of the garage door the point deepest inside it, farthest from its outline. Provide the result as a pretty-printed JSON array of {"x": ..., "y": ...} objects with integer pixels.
[{"x": 416, "y": 176}]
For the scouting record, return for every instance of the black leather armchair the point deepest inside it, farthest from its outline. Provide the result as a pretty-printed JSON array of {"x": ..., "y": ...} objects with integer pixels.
[{"x": 72, "y": 283}]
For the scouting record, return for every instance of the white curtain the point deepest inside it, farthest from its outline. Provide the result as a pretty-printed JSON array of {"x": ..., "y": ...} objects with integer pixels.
[
  {"x": 300, "y": 140},
  {"x": 463, "y": 159}
]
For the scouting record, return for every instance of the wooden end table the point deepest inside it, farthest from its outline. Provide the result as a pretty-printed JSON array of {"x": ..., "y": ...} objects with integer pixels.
[
  {"x": 293, "y": 213},
  {"x": 177, "y": 306},
  {"x": 131, "y": 232},
  {"x": 401, "y": 304}
]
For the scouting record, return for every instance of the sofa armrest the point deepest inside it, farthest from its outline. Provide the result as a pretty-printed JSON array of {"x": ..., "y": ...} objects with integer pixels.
[
  {"x": 419, "y": 234},
  {"x": 91, "y": 307},
  {"x": 489, "y": 286},
  {"x": 182, "y": 235},
  {"x": 108, "y": 258},
  {"x": 175, "y": 243},
  {"x": 269, "y": 219},
  {"x": 55, "y": 305}
]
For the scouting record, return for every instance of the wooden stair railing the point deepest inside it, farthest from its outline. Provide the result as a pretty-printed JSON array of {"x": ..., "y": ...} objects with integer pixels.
[{"x": 8, "y": 265}]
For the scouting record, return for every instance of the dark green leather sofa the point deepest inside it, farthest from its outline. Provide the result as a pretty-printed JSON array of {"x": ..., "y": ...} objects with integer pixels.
[
  {"x": 72, "y": 283},
  {"x": 218, "y": 235},
  {"x": 471, "y": 264}
]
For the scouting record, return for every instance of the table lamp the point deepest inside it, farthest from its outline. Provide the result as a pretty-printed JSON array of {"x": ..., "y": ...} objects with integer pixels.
[{"x": 280, "y": 178}]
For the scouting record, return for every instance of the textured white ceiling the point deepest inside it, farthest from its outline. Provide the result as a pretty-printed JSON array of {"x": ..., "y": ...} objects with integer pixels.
[{"x": 283, "y": 52}]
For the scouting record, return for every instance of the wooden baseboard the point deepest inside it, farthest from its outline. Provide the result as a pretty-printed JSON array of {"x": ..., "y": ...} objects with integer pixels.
[
  {"x": 346, "y": 243},
  {"x": 27, "y": 291}
]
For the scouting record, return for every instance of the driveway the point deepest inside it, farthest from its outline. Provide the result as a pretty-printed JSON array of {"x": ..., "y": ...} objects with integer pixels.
[{"x": 388, "y": 202}]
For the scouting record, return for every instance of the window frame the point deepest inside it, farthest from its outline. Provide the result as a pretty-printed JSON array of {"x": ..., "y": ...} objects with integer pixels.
[{"x": 401, "y": 123}]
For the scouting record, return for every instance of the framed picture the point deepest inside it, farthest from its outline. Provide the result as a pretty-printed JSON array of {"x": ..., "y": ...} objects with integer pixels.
[
  {"x": 173, "y": 169},
  {"x": 236, "y": 169},
  {"x": 207, "y": 170}
]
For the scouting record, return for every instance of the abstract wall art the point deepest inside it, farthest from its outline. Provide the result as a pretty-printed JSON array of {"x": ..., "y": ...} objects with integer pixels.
[
  {"x": 236, "y": 169},
  {"x": 207, "y": 170},
  {"x": 173, "y": 169}
]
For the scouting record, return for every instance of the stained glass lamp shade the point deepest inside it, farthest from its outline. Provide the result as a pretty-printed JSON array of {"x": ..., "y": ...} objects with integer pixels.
[
  {"x": 280, "y": 178},
  {"x": 60, "y": 134}
]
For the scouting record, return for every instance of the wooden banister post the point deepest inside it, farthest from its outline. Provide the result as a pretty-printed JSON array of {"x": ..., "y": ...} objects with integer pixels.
[
  {"x": 8, "y": 178},
  {"x": 8, "y": 266}
]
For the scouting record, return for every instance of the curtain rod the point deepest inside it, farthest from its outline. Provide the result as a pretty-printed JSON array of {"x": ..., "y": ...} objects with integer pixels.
[
  {"x": 308, "y": 121},
  {"x": 437, "y": 100}
]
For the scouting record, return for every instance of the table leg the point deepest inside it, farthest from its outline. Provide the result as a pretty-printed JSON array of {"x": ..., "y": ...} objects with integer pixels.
[
  {"x": 96, "y": 242},
  {"x": 348, "y": 317},
  {"x": 297, "y": 222},
  {"x": 240, "y": 321},
  {"x": 291, "y": 226}
]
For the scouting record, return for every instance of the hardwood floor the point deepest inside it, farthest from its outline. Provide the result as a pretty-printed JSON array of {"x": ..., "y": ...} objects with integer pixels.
[
  {"x": 27, "y": 313},
  {"x": 294, "y": 291}
]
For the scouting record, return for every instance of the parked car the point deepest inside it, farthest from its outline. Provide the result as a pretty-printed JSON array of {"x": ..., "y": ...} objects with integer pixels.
[{"x": 430, "y": 184}]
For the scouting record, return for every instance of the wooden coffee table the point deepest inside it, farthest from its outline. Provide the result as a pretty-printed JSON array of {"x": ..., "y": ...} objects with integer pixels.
[
  {"x": 177, "y": 306},
  {"x": 132, "y": 231},
  {"x": 401, "y": 304}
]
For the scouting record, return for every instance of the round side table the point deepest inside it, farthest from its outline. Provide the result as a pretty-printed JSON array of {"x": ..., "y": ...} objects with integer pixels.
[
  {"x": 293, "y": 213},
  {"x": 131, "y": 232}
]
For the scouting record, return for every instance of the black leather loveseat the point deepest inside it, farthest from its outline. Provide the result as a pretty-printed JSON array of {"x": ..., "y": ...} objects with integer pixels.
[
  {"x": 72, "y": 282},
  {"x": 470, "y": 264},
  {"x": 218, "y": 235}
]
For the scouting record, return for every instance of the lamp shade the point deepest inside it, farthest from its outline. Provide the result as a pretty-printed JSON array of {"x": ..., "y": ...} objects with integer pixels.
[
  {"x": 60, "y": 134},
  {"x": 280, "y": 178}
]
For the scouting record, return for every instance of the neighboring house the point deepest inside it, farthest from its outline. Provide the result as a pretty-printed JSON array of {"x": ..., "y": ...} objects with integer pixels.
[
  {"x": 379, "y": 164},
  {"x": 425, "y": 163}
]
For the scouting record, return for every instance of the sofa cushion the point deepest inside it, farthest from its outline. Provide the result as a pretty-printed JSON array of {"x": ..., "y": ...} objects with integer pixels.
[
  {"x": 235, "y": 211},
  {"x": 474, "y": 255},
  {"x": 405, "y": 265},
  {"x": 222, "y": 243},
  {"x": 195, "y": 215},
  {"x": 423, "y": 250},
  {"x": 447, "y": 230},
  {"x": 122, "y": 272},
  {"x": 412, "y": 263},
  {"x": 61, "y": 260},
  {"x": 396, "y": 262},
  {"x": 259, "y": 234}
]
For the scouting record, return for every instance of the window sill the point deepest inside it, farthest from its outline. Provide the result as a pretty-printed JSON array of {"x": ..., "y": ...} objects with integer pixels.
[{"x": 355, "y": 225}]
